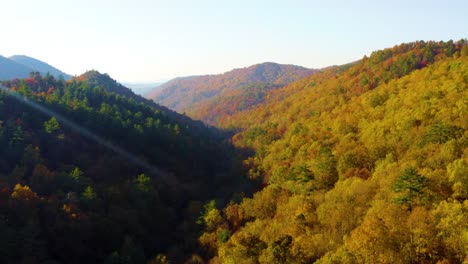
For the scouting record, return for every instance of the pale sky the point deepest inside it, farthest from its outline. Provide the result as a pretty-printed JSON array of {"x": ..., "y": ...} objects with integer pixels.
[{"x": 149, "y": 40}]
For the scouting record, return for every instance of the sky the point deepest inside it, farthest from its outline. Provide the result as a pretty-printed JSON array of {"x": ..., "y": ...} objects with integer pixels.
[{"x": 151, "y": 40}]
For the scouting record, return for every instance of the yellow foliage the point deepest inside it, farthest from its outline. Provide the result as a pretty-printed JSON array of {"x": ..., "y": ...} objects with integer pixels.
[
  {"x": 24, "y": 193},
  {"x": 344, "y": 207},
  {"x": 458, "y": 176},
  {"x": 452, "y": 228},
  {"x": 331, "y": 147}
]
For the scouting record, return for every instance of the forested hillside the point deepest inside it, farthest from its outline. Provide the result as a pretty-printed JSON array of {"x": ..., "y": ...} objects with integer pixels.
[
  {"x": 89, "y": 173},
  {"x": 210, "y": 96},
  {"x": 222, "y": 107},
  {"x": 365, "y": 163},
  {"x": 95, "y": 78}
]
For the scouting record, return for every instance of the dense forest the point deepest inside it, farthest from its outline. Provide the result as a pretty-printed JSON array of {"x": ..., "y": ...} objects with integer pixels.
[
  {"x": 360, "y": 163},
  {"x": 90, "y": 175},
  {"x": 363, "y": 163}
]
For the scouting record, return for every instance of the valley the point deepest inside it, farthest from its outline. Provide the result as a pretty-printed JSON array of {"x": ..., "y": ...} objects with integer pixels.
[{"x": 364, "y": 162}]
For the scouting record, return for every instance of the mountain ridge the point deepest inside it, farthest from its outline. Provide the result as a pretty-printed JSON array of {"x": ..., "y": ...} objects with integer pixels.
[
  {"x": 39, "y": 66},
  {"x": 20, "y": 66},
  {"x": 183, "y": 93},
  {"x": 10, "y": 69}
]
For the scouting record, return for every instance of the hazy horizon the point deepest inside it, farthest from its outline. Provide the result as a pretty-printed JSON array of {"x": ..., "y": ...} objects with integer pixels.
[{"x": 146, "y": 41}]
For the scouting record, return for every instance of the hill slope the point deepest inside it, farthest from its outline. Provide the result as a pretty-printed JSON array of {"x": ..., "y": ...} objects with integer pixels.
[
  {"x": 95, "y": 78},
  {"x": 187, "y": 93},
  {"x": 39, "y": 66},
  {"x": 364, "y": 164},
  {"x": 88, "y": 175}
]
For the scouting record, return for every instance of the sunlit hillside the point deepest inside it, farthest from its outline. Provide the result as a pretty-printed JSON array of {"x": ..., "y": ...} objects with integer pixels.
[
  {"x": 362, "y": 164},
  {"x": 208, "y": 97}
]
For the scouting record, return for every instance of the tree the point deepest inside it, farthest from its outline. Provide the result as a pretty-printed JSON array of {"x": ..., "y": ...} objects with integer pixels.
[
  {"x": 410, "y": 184},
  {"x": 88, "y": 195},
  {"x": 326, "y": 174},
  {"x": 440, "y": 133},
  {"x": 458, "y": 176},
  {"x": 252, "y": 245},
  {"x": 159, "y": 259},
  {"x": 452, "y": 228},
  {"x": 464, "y": 51},
  {"x": 143, "y": 183},
  {"x": 281, "y": 249},
  {"x": 224, "y": 235},
  {"x": 380, "y": 236},
  {"x": 24, "y": 193},
  {"x": 211, "y": 217},
  {"x": 51, "y": 125},
  {"x": 206, "y": 208},
  {"x": 76, "y": 174}
]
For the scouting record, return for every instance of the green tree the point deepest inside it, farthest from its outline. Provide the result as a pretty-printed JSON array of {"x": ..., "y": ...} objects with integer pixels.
[
  {"x": 326, "y": 174},
  {"x": 206, "y": 209},
  {"x": 440, "y": 133},
  {"x": 51, "y": 125},
  {"x": 143, "y": 183},
  {"x": 224, "y": 235},
  {"x": 76, "y": 174},
  {"x": 410, "y": 184},
  {"x": 89, "y": 195}
]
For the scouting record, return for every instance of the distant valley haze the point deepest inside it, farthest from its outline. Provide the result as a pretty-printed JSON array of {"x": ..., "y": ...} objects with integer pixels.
[{"x": 143, "y": 88}]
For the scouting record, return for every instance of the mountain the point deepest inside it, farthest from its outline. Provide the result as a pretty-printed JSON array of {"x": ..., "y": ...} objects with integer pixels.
[
  {"x": 39, "y": 66},
  {"x": 10, "y": 69},
  {"x": 187, "y": 93},
  {"x": 364, "y": 163},
  {"x": 94, "y": 78},
  {"x": 92, "y": 173},
  {"x": 19, "y": 66},
  {"x": 216, "y": 110}
]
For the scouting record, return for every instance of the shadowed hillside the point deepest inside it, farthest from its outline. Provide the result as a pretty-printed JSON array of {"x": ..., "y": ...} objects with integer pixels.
[{"x": 91, "y": 174}]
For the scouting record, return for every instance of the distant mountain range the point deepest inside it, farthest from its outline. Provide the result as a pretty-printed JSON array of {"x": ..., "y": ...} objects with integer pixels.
[
  {"x": 19, "y": 66},
  {"x": 187, "y": 94},
  {"x": 144, "y": 88}
]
